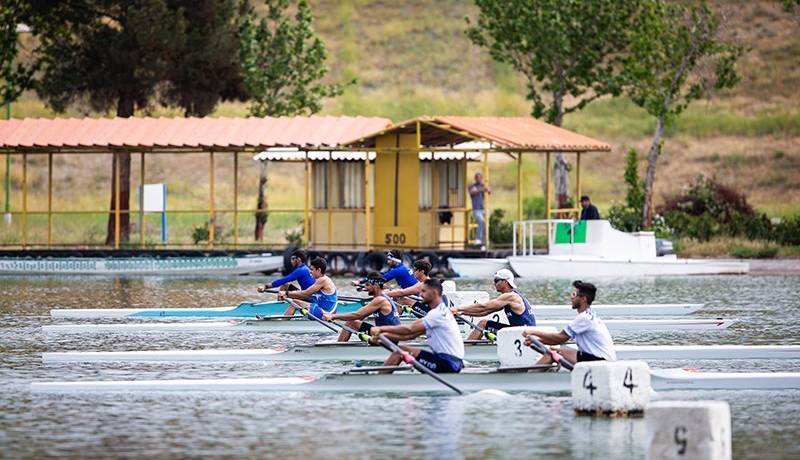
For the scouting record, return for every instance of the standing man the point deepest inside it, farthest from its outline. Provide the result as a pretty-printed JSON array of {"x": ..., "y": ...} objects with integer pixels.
[
  {"x": 321, "y": 295},
  {"x": 589, "y": 332},
  {"x": 300, "y": 273},
  {"x": 476, "y": 193},
  {"x": 515, "y": 305},
  {"x": 441, "y": 330},
  {"x": 589, "y": 211},
  {"x": 382, "y": 306}
]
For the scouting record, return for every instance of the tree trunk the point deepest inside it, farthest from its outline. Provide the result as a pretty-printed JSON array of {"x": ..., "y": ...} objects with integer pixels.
[
  {"x": 650, "y": 176},
  {"x": 261, "y": 216},
  {"x": 125, "y": 107},
  {"x": 560, "y": 166}
]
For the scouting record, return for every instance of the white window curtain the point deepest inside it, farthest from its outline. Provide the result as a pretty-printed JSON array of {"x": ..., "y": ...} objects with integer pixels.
[{"x": 425, "y": 184}]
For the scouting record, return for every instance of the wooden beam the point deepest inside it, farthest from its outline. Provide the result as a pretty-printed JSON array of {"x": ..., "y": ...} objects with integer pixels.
[{"x": 49, "y": 200}]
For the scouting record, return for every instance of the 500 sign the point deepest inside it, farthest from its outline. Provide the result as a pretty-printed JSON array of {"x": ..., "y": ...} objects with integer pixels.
[{"x": 394, "y": 238}]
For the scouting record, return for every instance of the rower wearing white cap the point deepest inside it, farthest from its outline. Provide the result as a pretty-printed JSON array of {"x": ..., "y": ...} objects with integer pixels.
[
  {"x": 589, "y": 332},
  {"x": 515, "y": 305}
]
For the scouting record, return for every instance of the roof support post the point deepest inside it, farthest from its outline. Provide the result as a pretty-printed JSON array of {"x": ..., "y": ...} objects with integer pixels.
[
  {"x": 49, "y": 200},
  {"x": 211, "y": 217},
  {"x": 367, "y": 226},
  {"x": 235, "y": 199},
  {"x": 578, "y": 178},
  {"x": 117, "y": 200},
  {"x": 142, "y": 181},
  {"x": 519, "y": 185},
  {"x": 466, "y": 211},
  {"x": 486, "y": 210},
  {"x": 306, "y": 201},
  {"x": 547, "y": 185},
  {"x": 24, "y": 200},
  {"x": 329, "y": 198}
]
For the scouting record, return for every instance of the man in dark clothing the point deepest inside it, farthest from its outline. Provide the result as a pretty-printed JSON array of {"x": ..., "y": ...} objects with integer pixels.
[{"x": 589, "y": 211}]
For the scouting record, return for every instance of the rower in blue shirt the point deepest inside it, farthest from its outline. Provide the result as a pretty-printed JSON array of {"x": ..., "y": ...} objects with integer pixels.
[
  {"x": 515, "y": 306},
  {"x": 383, "y": 308},
  {"x": 397, "y": 270},
  {"x": 320, "y": 296},
  {"x": 300, "y": 273}
]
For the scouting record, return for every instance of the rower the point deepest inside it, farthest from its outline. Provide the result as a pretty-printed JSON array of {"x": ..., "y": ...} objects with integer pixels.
[
  {"x": 398, "y": 271},
  {"x": 421, "y": 270},
  {"x": 321, "y": 295},
  {"x": 515, "y": 305},
  {"x": 300, "y": 273},
  {"x": 440, "y": 328},
  {"x": 383, "y": 307},
  {"x": 589, "y": 332}
]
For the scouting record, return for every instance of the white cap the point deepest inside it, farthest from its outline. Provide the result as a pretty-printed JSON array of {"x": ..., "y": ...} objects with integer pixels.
[{"x": 505, "y": 274}]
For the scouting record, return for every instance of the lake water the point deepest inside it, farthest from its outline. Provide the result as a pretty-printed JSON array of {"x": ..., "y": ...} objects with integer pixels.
[{"x": 305, "y": 425}]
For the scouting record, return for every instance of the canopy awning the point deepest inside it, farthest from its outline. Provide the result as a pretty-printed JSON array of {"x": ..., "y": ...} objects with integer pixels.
[{"x": 503, "y": 133}]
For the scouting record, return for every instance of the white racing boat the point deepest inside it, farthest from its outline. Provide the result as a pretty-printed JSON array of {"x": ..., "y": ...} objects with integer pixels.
[
  {"x": 361, "y": 381},
  {"x": 250, "y": 310},
  {"x": 308, "y": 326},
  {"x": 359, "y": 351}
]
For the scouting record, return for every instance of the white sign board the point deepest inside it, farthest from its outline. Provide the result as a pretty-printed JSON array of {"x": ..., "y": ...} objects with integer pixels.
[{"x": 154, "y": 197}]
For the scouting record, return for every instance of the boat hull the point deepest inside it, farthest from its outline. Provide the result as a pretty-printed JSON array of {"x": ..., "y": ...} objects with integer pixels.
[
  {"x": 574, "y": 267},
  {"x": 357, "y": 351},
  {"x": 243, "y": 310},
  {"x": 275, "y": 308},
  {"x": 185, "y": 266},
  {"x": 476, "y": 268},
  {"x": 301, "y": 326},
  {"x": 408, "y": 382}
]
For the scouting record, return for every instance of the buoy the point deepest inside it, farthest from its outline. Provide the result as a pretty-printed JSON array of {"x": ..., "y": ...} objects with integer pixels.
[
  {"x": 610, "y": 387},
  {"x": 688, "y": 430}
]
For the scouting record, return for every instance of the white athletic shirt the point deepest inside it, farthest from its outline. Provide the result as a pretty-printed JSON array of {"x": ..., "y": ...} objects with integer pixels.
[
  {"x": 591, "y": 335},
  {"x": 444, "y": 335}
]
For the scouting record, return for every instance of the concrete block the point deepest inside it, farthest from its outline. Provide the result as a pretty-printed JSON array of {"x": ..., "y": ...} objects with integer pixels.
[
  {"x": 688, "y": 430},
  {"x": 610, "y": 387},
  {"x": 511, "y": 349}
]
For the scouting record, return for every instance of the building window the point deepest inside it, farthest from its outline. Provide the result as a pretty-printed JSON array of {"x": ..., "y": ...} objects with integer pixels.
[
  {"x": 451, "y": 183},
  {"x": 343, "y": 188},
  {"x": 425, "y": 184}
]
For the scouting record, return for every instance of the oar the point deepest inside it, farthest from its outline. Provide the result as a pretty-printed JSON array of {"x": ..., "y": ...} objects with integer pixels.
[
  {"x": 346, "y": 298},
  {"x": 308, "y": 314},
  {"x": 391, "y": 346},
  {"x": 541, "y": 348},
  {"x": 491, "y": 336}
]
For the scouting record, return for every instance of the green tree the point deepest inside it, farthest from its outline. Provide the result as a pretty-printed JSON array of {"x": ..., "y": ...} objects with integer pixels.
[
  {"x": 15, "y": 77},
  {"x": 567, "y": 51},
  {"x": 283, "y": 64},
  {"x": 121, "y": 56},
  {"x": 677, "y": 54},
  {"x": 207, "y": 70},
  {"x": 628, "y": 216}
]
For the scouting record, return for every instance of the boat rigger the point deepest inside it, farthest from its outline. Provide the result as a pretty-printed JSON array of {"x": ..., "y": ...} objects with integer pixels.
[
  {"x": 274, "y": 308},
  {"x": 411, "y": 382},
  {"x": 306, "y": 326},
  {"x": 359, "y": 351}
]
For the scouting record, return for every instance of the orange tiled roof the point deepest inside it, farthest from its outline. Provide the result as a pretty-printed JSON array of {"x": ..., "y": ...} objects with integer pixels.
[
  {"x": 503, "y": 132},
  {"x": 184, "y": 133}
]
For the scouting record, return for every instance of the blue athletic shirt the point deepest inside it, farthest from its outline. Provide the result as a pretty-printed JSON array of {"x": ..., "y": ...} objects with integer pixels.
[
  {"x": 325, "y": 301},
  {"x": 301, "y": 274},
  {"x": 526, "y": 318},
  {"x": 402, "y": 274},
  {"x": 387, "y": 320}
]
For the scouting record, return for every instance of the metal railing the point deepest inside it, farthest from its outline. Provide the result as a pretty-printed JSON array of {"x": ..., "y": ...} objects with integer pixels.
[{"x": 524, "y": 231}]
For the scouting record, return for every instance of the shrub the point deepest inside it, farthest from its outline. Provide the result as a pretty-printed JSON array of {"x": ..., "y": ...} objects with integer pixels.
[
  {"x": 200, "y": 234},
  {"x": 534, "y": 207},
  {"x": 628, "y": 216},
  {"x": 787, "y": 232},
  {"x": 765, "y": 251},
  {"x": 500, "y": 231}
]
